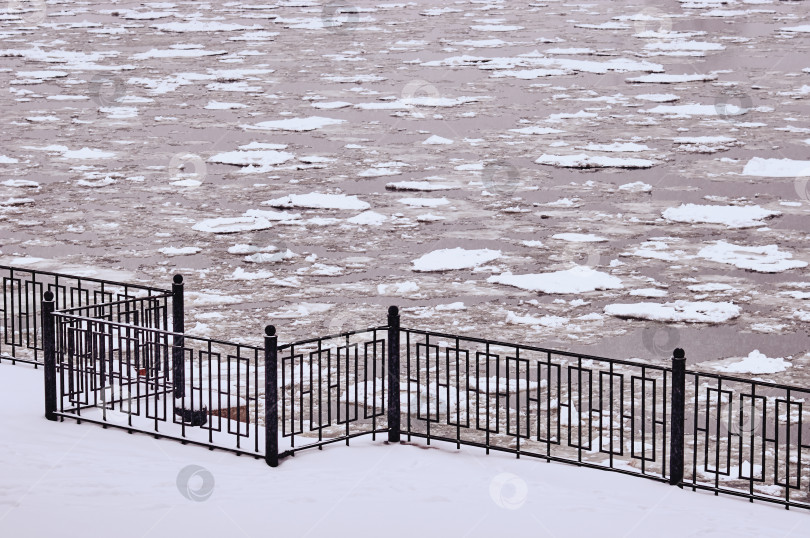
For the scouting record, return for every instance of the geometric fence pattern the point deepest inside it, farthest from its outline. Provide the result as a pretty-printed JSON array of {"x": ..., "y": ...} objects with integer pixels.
[{"x": 113, "y": 357}]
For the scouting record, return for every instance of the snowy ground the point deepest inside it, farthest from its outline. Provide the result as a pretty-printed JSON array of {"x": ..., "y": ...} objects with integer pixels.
[
  {"x": 301, "y": 163},
  {"x": 92, "y": 482}
]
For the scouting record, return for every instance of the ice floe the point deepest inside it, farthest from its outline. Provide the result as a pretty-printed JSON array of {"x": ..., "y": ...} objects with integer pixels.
[
  {"x": 730, "y": 216},
  {"x": 594, "y": 161},
  {"x": 678, "y": 311},
  {"x": 578, "y": 279},
  {"x": 316, "y": 200},
  {"x": 227, "y": 225},
  {"x": 453, "y": 259},
  {"x": 295, "y": 124},
  {"x": 764, "y": 259},
  {"x": 760, "y": 167},
  {"x": 755, "y": 363}
]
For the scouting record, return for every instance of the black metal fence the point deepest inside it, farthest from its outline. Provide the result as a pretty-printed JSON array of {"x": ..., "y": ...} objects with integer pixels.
[
  {"x": 118, "y": 364},
  {"x": 20, "y": 331}
]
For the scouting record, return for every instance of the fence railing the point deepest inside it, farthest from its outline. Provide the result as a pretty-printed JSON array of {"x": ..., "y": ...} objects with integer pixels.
[
  {"x": 113, "y": 364},
  {"x": 20, "y": 331},
  {"x": 529, "y": 401},
  {"x": 747, "y": 438}
]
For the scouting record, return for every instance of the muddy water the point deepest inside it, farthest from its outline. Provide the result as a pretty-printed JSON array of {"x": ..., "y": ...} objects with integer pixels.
[{"x": 73, "y": 219}]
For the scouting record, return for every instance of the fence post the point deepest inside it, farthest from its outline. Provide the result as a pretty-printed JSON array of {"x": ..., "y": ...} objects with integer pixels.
[
  {"x": 677, "y": 417},
  {"x": 49, "y": 354},
  {"x": 270, "y": 396},
  {"x": 178, "y": 326},
  {"x": 393, "y": 375}
]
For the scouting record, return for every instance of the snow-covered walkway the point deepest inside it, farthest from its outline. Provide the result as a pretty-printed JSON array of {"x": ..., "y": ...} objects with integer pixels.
[{"x": 63, "y": 479}]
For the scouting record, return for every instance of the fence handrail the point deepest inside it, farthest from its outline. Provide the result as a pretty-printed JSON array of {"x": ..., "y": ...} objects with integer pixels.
[
  {"x": 113, "y": 303},
  {"x": 759, "y": 382},
  {"x": 298, "y": 343},
  {"x": 62, "y": 314},
  {"x": 88, "y": 278},
  {"x": 534, "y": 348}
]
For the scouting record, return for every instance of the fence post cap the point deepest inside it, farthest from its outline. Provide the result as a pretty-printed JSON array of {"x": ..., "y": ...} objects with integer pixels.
[
  {"x": 178, "y": 279},
  {"x": 679, "y": 353},
  {"x": 48, "y": 296},
  {"x": 393, "y": 310},
  {"x": 270, "y": 330}
]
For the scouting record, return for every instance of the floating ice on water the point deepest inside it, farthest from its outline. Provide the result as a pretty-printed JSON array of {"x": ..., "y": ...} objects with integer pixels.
[
  {"x": 665, "y": 78},
  {"x": 454, "y": 258},
  {"x": 295, "y": 124},
  {"x": 554, "y": 322},
  {"x": 698, "y": 110},
  {"x": 182, "y": 251},
  {"x": 316, "y": 200},
  {"x": 177, "y": 53},
  {"x": 755, "y": 363},
  {"x": 20, "y": 183},
  {"x": 765, "y": 259},
  {"x": 260, "y": 158},
  {"x": 271, "y": 257},
  {"x": 227, "y": 225},
  {"x": 436, "y": 140},
  {"x": 203, "y": 26},
  {"x": 593, "y": 161},
  {"x": 657, "y": 97},
  {"x": 216, "y": 105},
  {"x": 760, "y": 167},
  {"x": 425, "y": 186},
  {"x": 731, "y": 216},
  {"x": 616, "y": 147},
  {"x": 579, "y": 238},
  {"x": 368, "y": 218},
  {"x": 648, "y": 292},
  {"x": 578, "y": 279},
  {"x": 331, "y": 105},
  {"x": 535, "y": 130},
  {"x": 678, "y": 311},
  {"x": 637, "y": 186}
]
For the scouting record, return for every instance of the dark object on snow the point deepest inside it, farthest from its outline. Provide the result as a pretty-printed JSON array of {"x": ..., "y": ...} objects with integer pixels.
[{"x": 192, "y": 417}]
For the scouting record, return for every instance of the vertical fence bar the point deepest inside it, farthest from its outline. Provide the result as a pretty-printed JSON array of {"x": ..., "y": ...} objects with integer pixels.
[
  {"x": 178, "y": 326},
  {"x": 270, "y": 396},
  {"x": 677, "y": 420},
  {"x": 393, "y": 375},
  {"x": 49, "y": 349}
]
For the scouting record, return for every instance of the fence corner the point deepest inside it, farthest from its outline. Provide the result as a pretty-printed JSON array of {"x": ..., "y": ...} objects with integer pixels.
[
  {"x": 393, "y": 375},
  {"x": 49, "y": 353},
  {"x": 270, "y": 396},
  {"x": 677, "y": 417}
]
